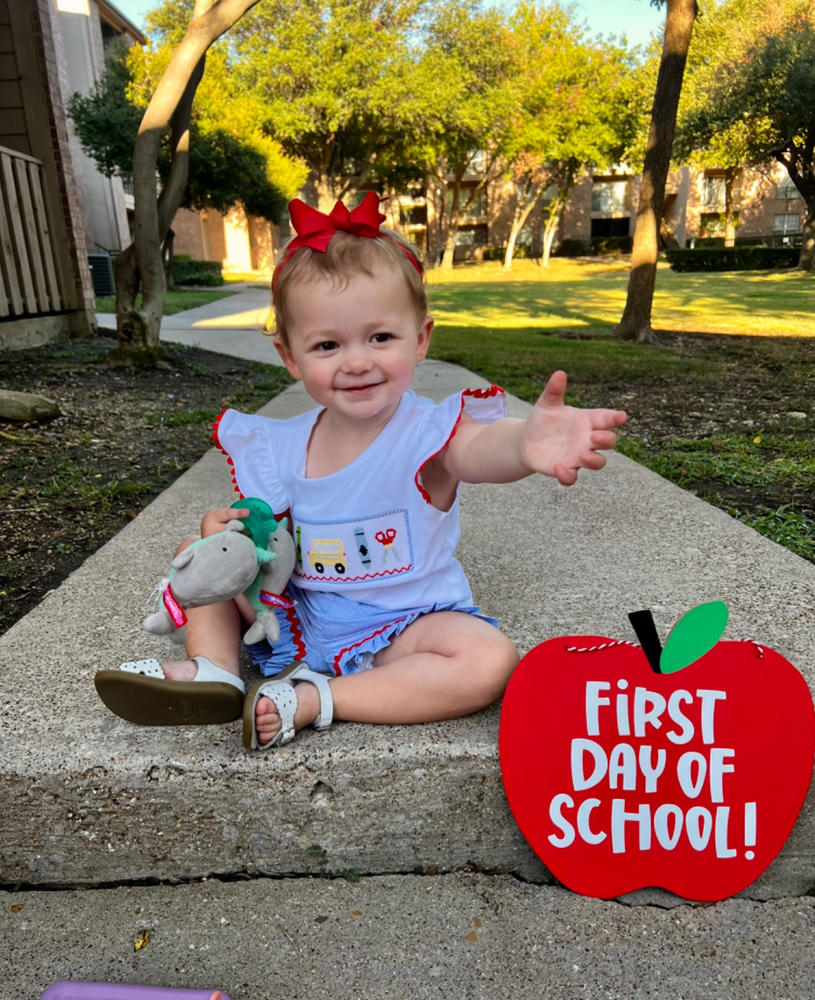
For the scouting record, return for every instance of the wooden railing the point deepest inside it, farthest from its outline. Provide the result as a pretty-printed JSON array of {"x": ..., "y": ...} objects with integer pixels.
[{"x": 28, "y": 277}]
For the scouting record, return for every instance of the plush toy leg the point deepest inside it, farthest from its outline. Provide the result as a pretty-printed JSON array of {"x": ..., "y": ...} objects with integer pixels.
[
  {"x": 159, "y": 623},
  {"x": 266, "y": 627}
]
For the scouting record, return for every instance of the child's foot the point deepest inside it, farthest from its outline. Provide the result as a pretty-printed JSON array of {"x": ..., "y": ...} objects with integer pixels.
[
  {"x": 180, "y": 670},
  {"x": 276, "y": 708},
  {"x": 267, "y": 718},
  {"x": 192, "y": 692}
]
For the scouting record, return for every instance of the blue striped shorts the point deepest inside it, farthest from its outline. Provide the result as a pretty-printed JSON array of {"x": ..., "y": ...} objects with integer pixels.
[{"x": 335, "y": 635}]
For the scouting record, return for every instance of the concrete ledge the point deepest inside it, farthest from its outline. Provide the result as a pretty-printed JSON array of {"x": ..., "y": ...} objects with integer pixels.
[
  {"x": 91, "y": 800},
  {"x": 463, "y": 935}
]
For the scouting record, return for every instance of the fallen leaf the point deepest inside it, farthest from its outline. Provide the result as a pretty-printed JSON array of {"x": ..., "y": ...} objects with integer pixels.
[
  {"x": 472, "y": 937},
  {"x": 17, "y": 907},
  {"x": 142, "y": 940}
]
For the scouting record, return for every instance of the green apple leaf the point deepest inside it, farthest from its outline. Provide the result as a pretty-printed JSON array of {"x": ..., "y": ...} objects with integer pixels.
[{"x": 695, "y": 634}]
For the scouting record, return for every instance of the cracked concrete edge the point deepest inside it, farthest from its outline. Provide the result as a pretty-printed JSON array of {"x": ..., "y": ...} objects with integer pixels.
[
  {"x": 651, "y": 544},
  {"x": 463, "y": 935}
]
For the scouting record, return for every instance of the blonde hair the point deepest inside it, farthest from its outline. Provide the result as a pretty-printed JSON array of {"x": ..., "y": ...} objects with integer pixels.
[{"x": 346, "y": 256}]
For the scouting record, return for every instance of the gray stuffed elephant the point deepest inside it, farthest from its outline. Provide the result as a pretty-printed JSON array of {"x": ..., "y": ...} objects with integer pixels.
[{"x": 219, "y": 568}]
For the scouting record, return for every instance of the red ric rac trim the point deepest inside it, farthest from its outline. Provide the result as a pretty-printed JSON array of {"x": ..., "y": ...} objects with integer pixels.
[
  {"x": 215, "y": 428},
  {"x": 336, "y": 664},
  {"x": 492, "y": 390},
  {"x": 296, "y": 632}
]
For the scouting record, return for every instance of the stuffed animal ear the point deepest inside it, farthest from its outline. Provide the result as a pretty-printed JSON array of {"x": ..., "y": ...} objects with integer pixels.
[
  {"x": 183, "y": 558},
  {"x": 235, "y": 525}
]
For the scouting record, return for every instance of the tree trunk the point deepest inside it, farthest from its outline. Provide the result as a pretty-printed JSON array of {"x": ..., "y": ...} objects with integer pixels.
[
  {"x": 730, "y": 176},
  {"x": 452, "y": 217},
  {"x": 523, "y": 210},
  {"x": 635, "y": 323},
  {"x": 807, "y": 259},
  {"x": 549, "y": 232},
  {"x": 555, "y": 209},
  {"x": 141, "y": 264}
]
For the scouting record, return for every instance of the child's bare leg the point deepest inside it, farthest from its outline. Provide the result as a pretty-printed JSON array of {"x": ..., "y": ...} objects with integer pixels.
[
  {"x": 444, "y": 665},
  {"x": 213, "y": 631}
]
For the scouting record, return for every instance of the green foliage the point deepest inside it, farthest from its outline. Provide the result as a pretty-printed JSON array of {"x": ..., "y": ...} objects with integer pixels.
[
  {"x": 742, "y": 460},
  {"x": 574, "y": 99},
  {"x": 743, "y": 258},
  {"x": 182, "y": 418},
  {"x": 230, "y": 164},
  {"x": 751, "y": 91},
  {"x": 794, "y": 530},
  {"x": 106, "y": 122},
  {"x": 196, "y": 272},
  {"x": 174, "y": 302},
  {"x": 335, "y": 82}
]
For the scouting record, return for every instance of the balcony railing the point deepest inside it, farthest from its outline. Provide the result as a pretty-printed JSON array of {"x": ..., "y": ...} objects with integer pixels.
[{"x": 28, "y": 276}]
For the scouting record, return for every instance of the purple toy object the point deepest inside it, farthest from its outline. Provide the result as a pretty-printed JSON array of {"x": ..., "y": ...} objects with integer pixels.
[{"x": 104, "y": 991}]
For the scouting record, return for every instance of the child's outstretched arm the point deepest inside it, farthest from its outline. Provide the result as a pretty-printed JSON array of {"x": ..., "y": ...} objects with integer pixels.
[{"x": 554, "y": 440}]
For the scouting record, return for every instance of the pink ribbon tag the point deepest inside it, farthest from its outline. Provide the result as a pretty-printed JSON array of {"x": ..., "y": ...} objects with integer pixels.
[
  {"x": 275, "y": 600},
  {"x": 174, "y": 609}
]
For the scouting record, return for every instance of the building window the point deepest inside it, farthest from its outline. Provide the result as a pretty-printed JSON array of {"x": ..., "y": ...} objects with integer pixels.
[
  {"x": 478, "y": 162},
  {"x": 785, "y": 224},
  {"x": 411, "y": 216},
  {"x": 604, "y": 228},
  {"x": 787, "y": 190},
  {"x": 608, "y": 197},
  {"x": 715, "y": 223},
  {"x": 475, "y": 209},
  {"x": 713, "y": 192},
  {"x": 474, "y": 237}
]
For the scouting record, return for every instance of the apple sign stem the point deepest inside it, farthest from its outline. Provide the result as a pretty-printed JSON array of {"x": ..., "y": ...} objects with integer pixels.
[{"x": 643, "y": 624}]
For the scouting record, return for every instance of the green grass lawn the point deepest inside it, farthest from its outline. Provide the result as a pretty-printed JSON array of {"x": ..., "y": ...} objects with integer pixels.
[
  {"x": 516, "y": 327},
  {"x": 754, "y": 451},
  {"x": 174, "y": 302},
  {"x": 588, "y": 297}
]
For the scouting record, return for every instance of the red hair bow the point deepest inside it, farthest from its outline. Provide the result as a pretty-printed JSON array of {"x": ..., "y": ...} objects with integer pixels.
[{"x": 316, "y": 229}]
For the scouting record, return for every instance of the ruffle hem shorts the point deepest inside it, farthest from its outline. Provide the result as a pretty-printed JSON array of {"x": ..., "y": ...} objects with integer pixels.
[{"x": 335, "y": 635}]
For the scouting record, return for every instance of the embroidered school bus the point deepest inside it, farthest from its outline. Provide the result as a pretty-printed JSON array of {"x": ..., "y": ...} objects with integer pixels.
[{"x": 327, "y": 552}]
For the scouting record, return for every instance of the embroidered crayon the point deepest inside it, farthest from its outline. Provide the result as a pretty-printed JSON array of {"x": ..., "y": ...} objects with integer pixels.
[{"x": 362, "y": 546}]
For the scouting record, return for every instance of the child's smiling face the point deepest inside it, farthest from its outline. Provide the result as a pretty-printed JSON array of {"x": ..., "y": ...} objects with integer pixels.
[{"x": 355, "y": 347}]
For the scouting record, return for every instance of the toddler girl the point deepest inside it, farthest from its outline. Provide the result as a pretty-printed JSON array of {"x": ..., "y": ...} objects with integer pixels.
[{"x": 381, "y": 611}]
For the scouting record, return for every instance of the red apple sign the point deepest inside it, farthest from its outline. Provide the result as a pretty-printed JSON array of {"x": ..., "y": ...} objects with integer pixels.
[{"x": 629, "y": 766}]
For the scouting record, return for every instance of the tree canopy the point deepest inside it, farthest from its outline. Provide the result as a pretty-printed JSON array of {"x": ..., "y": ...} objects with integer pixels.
[
  {"x": 334, "y": 79},
  {"x": 238, "y": 164},
  {"x": 752, "y": 99},
  {"x": 575, "y": 107}
]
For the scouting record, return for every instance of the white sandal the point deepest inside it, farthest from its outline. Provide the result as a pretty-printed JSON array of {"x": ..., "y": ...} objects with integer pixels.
[
  {"x": 280, "y": 690},
  {"x": 140, "y": 692}
]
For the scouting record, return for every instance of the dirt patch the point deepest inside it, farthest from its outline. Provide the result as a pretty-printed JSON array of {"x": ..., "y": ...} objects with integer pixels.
[{"x": 68, "y": 485}]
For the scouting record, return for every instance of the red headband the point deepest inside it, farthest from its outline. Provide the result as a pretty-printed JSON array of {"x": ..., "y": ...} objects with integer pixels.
[{"x": 315, "y": 229}]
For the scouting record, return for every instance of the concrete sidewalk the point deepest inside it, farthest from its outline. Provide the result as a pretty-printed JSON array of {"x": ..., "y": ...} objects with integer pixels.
[
  {"x": 232, "y": 325},
  {"x": 92, "y": 802}
]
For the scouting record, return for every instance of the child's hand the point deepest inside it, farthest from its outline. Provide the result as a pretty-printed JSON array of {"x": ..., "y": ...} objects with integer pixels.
[
  {"x": 559, "y": 440},
  {"x": 217, "y": 520}
]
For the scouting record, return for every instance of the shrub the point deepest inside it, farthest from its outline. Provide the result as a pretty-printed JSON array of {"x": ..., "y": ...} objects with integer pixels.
[
  {"x": 745, "y": 258},
  {"x": 573, "y": 248},
  {"x": 612, "y": 244},
  {"x": 196, "y": 272}
]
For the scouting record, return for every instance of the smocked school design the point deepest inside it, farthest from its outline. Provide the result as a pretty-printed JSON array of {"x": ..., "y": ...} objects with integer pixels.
[{"x": 367, "y": 532}]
